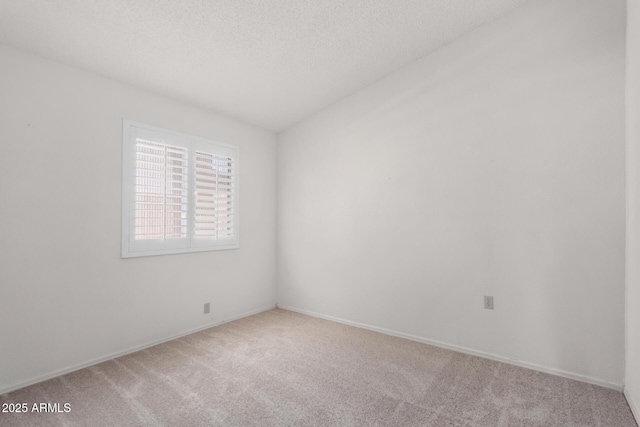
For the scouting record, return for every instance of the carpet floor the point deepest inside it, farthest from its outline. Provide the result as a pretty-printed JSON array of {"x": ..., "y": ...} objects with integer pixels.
[{"x": 281, "y": 368}]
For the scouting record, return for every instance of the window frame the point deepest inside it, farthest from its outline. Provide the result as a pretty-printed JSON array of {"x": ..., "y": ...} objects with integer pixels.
[{"x": 132, "y": 248}]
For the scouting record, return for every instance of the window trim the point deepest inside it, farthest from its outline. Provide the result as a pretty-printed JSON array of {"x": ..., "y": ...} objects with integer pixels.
[{"x": 190, "y": 243}]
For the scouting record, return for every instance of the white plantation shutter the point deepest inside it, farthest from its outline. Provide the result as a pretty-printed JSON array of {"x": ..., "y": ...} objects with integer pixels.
[
  {"x": 179, "y": 192},
  {"x": 161, "y": 191},
  {"x": 214, "y": 193}
]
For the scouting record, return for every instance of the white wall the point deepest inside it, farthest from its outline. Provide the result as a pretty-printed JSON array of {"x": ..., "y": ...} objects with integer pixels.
[
  {"x": 66, "y": 296},
  {"x": 493, "y": 167},
  {"x": 632, "y": 373}
]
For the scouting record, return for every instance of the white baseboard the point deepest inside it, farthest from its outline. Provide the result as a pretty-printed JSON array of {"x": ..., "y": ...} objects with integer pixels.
[
  {"x": 632, "y": 404},
  {"x": 59, "y": 372},
  {"x": 522, "y": 364}
]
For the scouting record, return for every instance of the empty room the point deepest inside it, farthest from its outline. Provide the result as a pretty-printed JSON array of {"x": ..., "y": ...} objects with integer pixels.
[{"x": 322, "y": 213}]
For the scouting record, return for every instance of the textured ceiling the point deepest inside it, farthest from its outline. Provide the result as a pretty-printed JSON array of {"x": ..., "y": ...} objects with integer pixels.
[{"x": 267, "y": 62}]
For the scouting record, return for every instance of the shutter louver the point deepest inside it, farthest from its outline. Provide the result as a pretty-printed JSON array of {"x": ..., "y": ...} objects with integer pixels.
[
  {"x": 213, "y": 210},
  {"x": 161, "y": 191}
]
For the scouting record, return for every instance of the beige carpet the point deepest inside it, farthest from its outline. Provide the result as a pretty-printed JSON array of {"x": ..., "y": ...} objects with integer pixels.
[{"x": 283, "y": 368}]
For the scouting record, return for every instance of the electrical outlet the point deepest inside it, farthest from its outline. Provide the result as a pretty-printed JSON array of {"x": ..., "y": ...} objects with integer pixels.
[
  {"x": 488, "y": 303},
  {"x": 207, "y": 308}
]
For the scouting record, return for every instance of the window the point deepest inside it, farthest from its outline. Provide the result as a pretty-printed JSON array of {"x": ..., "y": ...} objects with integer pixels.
[{"x": 179, "y": 192}]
